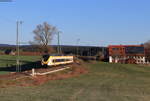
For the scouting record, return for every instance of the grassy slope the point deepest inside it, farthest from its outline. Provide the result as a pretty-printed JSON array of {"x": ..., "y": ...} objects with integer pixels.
[{"x": 104, "y": 82}]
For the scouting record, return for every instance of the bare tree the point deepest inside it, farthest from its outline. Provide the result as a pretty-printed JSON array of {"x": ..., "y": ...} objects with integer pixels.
[
  {"x": 147, "y": 49},
  {"x": 43, "y": 35},
  {"x": 147, "y": 44}
]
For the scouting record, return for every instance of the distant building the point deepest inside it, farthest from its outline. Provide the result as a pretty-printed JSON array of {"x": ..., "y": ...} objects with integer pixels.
[{"x": 134, "y": 54}]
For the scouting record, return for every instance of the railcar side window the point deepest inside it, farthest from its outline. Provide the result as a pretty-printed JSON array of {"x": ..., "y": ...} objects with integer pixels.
[{"x": 61, "y": 60}]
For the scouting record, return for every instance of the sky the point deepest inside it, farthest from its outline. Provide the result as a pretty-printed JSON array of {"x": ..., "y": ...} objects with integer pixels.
[{"x": 94, "y": 22}]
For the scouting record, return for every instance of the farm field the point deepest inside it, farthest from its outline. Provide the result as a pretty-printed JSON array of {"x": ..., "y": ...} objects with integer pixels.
[{"x": 104, "y": 82}]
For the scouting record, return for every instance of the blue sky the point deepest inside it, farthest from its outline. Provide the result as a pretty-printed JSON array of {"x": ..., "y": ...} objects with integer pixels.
[{"x": 94, "y": 22}]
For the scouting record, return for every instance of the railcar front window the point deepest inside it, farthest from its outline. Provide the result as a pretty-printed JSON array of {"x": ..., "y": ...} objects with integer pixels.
[{"x": 45, "y": 57}]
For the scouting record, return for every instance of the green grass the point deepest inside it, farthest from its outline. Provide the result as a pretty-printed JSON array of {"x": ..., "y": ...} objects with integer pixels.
[
  {"x": 10, "y": 61},
  {"x": 104, "y": 82}
]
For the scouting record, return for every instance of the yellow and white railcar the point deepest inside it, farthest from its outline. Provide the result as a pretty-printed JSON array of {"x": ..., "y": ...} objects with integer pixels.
[{"x": 57, "y": 60}]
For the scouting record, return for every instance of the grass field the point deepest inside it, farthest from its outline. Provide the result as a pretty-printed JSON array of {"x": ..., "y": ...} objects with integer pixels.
[
  {"x": 104, "y": 82},
  {"x": 10, "y": 61}
]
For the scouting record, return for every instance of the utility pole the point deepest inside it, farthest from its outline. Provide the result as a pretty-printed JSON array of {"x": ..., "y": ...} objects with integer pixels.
[
  {"x": 58, "y": 44},
  {"x": 78, "y": 46},
  {"x": 18, "y": 69}
]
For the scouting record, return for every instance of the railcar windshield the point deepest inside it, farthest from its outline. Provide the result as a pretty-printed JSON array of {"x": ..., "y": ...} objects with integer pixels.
[{"x": 45, "y": 57}]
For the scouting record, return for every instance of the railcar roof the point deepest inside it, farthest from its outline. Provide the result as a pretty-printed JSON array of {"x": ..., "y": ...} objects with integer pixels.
[{"x": 55, "y": 55}]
